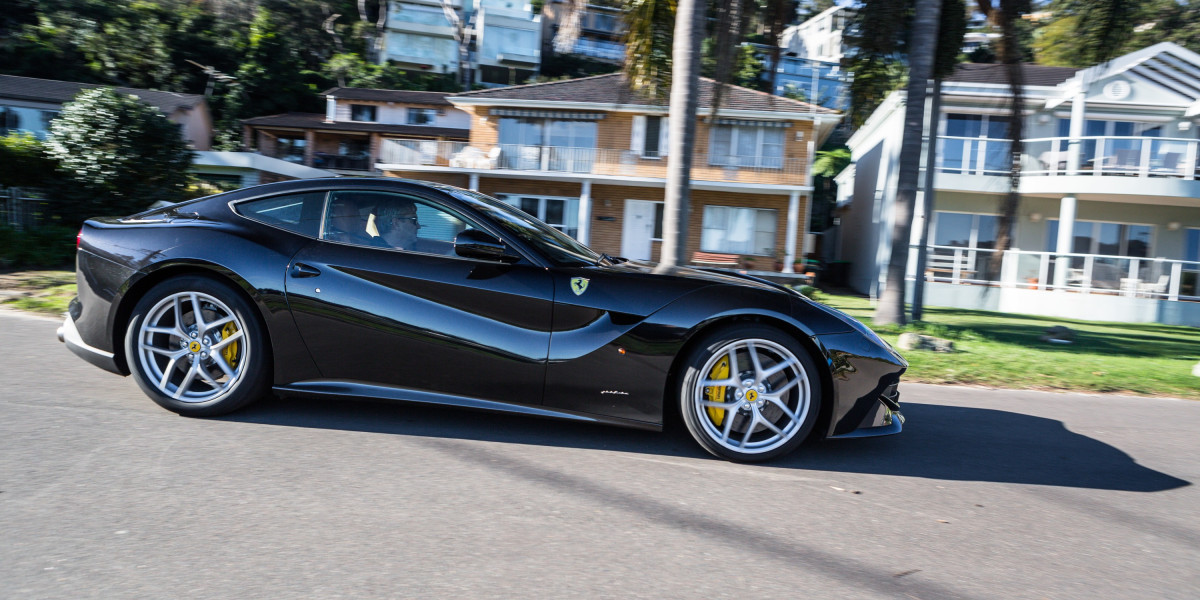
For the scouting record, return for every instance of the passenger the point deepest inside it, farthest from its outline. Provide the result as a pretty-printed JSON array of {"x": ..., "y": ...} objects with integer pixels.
[
  {"x": 397, "y": 222},
  {"x": 347, "y": 223}
]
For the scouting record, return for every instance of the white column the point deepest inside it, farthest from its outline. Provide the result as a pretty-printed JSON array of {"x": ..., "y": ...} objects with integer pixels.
[
  {"x": 585, "y": 212},
  {"x": 330, "y": 108},
  {"x": 1075, "y": 147},
  {"x": 473, "y": 182},
  {"x": 793, "y": 224},
  {"x": 1066, "y": 236}
]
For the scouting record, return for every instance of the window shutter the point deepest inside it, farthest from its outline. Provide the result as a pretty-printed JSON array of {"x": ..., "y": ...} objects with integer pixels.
[
  {"x": 637, "y": 140},
  {"x": 664, "y": 134}
]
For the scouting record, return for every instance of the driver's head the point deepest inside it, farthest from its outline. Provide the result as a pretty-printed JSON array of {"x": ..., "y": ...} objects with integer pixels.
[{"x": 399, "y": 224}]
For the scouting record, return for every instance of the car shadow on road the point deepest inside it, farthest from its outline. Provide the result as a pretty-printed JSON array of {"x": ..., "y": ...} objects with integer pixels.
[{"x": 939, "y": 442}]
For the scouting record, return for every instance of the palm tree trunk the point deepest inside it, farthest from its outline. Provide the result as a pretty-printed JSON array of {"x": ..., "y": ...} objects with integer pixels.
[
  {"x": 891, "y": 310},
  {"x": 918, "y": 302},
  {"x": 685, "y": 83},
  {"x": 1010, "y": 55}
]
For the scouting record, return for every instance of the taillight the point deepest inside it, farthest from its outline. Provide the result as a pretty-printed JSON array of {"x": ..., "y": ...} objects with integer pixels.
[{"x": 78, "y": 238}]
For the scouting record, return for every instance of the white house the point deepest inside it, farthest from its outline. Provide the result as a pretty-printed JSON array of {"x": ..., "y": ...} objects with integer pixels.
[
  {"x": 497, "y": 42},
  {"x": 1109, "y": 220}
]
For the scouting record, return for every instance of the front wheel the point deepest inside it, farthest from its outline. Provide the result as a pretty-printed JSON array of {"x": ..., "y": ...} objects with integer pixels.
[
  {"x": 196, "y": 347},
  {"x": 749, "y": 393}
]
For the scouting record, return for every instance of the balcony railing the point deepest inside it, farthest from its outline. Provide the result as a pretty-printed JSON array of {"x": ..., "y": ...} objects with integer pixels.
[
  {"x": 1159, "y": 278},
  {"x": 1098, "y": 156},
  {"x": 398, "y": 153},
  {"x": 602, "y": 49}
]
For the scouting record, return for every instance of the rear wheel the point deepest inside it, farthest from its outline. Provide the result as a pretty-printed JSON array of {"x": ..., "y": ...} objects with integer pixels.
[
  {"x": 196, "y": 347},
  {"x": 749, "y": 393}
]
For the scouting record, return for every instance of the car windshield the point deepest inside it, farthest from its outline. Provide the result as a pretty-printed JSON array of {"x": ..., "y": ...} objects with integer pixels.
[{"x": 552, "y": 243}]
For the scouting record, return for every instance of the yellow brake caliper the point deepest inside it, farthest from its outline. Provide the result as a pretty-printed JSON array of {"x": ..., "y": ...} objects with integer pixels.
[
  {"x": 717, "y": 393},
  {"x": 231, "y": 351}
]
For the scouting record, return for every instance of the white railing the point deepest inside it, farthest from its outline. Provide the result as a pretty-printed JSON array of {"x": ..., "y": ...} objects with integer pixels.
[
  {"x": 1098, "y": 155},
  {"x": 398, "y": 153},
  {"x": 1160, "y": 278}
]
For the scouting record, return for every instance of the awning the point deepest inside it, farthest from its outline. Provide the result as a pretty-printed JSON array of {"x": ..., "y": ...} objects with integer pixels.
[
  {"x": 749, "y": 123},
  {"x": 546, "y": 114}
]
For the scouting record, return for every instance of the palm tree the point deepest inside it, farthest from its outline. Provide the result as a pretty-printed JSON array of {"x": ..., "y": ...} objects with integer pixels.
[
  {"x": 922, "y": 45},
  {"x": 950, "y": 35},
  {"x": 685, "y": 84}
]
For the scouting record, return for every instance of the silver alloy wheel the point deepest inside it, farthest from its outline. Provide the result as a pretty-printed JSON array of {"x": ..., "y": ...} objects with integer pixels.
[
  {"x": 764, "y": 396},
  {"x": 192, "y": 347}
]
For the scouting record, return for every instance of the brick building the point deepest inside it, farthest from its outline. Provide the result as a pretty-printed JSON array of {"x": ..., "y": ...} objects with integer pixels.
[{"x": 589, "y": 156}]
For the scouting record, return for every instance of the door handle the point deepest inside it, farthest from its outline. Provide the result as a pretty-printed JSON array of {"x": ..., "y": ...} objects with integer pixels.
[{"x": 301, "y": 270}]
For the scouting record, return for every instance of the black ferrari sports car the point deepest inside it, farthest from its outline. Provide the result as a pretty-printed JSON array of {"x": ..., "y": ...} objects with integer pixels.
[{"x": 417, "y": 292}]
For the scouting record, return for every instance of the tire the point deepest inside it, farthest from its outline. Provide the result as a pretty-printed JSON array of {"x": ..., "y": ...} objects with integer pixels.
[
  {"x": 769, "y": 403},
  {"x": 197, "y": 367}
]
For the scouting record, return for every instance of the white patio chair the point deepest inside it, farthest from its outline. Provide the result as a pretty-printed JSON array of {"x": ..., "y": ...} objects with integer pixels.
[{"x": 1158, "y": 287}]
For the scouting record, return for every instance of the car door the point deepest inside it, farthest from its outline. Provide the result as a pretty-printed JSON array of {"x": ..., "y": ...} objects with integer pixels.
[{"x": 422, "y": 319}]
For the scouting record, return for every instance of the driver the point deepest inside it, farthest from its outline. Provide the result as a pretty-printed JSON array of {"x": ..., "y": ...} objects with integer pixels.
[{"x": 398, "y": 224}]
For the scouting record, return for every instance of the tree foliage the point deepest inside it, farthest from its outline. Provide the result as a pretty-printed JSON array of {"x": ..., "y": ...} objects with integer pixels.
[
  {"x": 1084, "y": 33},
  {"x": 879, "y": 39},
  {"x": 23, "y": 161},
  {"x": 650, "y": 29},
  {"x": 116, "y": 155},
  {"x": 278, "y": 49}
]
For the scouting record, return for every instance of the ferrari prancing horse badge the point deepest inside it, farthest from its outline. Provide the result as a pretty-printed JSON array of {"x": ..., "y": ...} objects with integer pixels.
[{"x": 579, "y": 285}]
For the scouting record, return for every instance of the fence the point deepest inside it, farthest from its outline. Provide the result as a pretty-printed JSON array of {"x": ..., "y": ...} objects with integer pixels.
[
  {"x": 1084, "y": 273},
  {"x": 26, "y": 208}
]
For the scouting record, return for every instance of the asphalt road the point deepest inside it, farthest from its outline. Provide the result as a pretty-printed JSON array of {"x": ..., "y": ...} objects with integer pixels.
[{"x": 986, "y": 494}]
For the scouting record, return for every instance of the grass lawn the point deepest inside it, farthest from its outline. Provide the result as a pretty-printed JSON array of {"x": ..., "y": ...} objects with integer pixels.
[
  {"x": 1003, "y": 350},
  {"x": 46, "y": 292}
]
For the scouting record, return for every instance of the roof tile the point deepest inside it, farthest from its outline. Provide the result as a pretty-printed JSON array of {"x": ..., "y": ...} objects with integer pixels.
[
  {"x": 614, "y": 89},
  {"x": 59, "y": 92}
]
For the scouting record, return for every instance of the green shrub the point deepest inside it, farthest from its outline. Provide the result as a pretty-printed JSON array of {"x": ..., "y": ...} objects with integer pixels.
[{"x": 45, "y": 247}]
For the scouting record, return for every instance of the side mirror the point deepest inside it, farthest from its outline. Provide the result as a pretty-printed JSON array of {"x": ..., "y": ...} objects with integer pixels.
[{"x": 474, "y": 243}]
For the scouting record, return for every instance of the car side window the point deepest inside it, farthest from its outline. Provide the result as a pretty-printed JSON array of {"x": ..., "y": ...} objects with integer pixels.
[
  {"x": 392, "y": 220},
  {"x": 298, "y": 213}
]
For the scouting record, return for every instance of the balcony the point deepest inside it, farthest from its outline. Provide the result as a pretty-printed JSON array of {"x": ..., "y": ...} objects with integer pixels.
[
  {"x": 1099, "y": 156},
  {"x": 426, "y": 155},
  {"x": 1080, "y": 286},
  {"x": 600, "y": 49},
  {"x": 1108, "y": 166}
]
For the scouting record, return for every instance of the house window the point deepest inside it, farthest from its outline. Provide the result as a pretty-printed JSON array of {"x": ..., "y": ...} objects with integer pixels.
[
  {"x": 422, "y": 116},
  {"x": 975, "y": 144},
  {"x": 1117, "y": 153},
  {"x": 1107, "y": 239},
  {"x": 362, "y": 112},
  {"x": 649, "y": 136},
  {"x": 561, "y": 213},
  {"x": 1189, "y": 284},
  {"x": 290, "y": 149},
  {"x": 965, "y": 230},
  {"x": 737, "y": 230},
  {"x": 352, "y": 147},
  {"x": 31, "y": 120},
  {"x": 553, "y": 144},
  {"x": 658, "y": 222},
  {"x": 969, "y": 231},
  {"x": 746, "y": 146}
]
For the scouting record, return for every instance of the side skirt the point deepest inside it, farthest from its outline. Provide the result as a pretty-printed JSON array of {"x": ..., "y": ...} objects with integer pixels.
[{"x": 324, "y": 388}]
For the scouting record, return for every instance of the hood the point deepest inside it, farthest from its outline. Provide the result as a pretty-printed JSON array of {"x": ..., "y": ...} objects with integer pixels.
[{"x": 703, "y": 276}]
